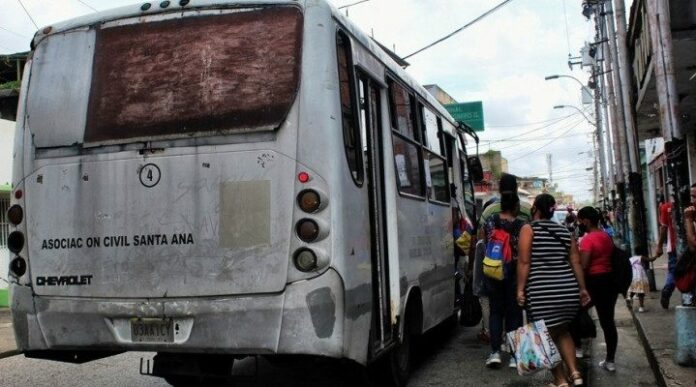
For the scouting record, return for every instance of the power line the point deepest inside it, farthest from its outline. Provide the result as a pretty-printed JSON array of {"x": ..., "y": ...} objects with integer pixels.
[
  {"x": 14, "y": 33},
  {"x": 529, "y": 131},
  {"x": 530, "y": 123},
  {"x": 490, "y": 11},
  {"x": 572, "y": 125},
  {"x": 27, "y": 12},
  {"x": 548, "y": 143},
  {"x": 95, "y": 10},
  {"x": 565, "y": 14},
  {"x": 540, "y": 138}
]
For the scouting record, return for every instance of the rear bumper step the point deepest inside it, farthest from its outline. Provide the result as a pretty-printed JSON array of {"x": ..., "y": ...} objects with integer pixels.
[{"x": 307, "y": 317}]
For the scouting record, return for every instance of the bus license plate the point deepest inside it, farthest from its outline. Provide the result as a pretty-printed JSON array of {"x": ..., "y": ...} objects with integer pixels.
[{"x": 152, "y": 331}]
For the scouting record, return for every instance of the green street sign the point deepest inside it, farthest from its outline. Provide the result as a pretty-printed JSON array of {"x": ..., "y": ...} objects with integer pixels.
[{"x": 469, "y": 112}]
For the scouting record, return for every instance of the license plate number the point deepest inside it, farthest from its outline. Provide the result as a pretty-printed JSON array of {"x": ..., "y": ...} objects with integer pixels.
[{"x": 152, "y": 331}]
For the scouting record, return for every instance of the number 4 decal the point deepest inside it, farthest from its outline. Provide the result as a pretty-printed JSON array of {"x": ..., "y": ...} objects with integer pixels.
[{"x": 150, "y": 175}]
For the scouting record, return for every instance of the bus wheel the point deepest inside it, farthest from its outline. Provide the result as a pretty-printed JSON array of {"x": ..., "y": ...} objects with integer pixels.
[{"x": 400, "y": 360}]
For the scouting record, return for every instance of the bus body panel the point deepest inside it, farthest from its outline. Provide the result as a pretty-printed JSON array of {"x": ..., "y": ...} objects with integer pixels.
[{"x": 180, "y": 225}]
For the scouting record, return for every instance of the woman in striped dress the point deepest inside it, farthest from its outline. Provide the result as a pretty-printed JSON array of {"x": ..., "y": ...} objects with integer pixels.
[{"x": 550, "y": 281}]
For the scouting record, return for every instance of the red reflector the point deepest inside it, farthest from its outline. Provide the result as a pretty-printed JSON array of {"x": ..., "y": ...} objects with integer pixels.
[
  {"x": 303, "y": 177},
  {"x": 18, "y": 194}
]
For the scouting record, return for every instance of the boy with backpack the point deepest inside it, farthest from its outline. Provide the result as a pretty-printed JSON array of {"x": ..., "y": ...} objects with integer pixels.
[{"x": 500, "y": 232}]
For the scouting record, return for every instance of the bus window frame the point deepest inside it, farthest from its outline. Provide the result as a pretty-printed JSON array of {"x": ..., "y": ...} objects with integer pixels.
[
  {"x": 415, "y": 142},
  {"x": 425, "y": 149},
  {"x": 358, "y": 180}
]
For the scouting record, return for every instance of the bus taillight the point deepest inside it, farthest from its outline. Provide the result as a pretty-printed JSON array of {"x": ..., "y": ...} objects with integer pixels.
[
  {"x": 15, "y": 241},
  {"x": 309, "y": 201},
  {"x": 15, "y": 214},
  {"x": 307, "y": 230},
  {"x": 305, "y": 260},
  {"x": 18, "y": 266},
  {"x": 303, "y": 177},
  {"x": 18, "y": 194}
]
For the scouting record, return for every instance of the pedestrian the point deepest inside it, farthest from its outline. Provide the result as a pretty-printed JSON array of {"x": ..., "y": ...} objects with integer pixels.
[
  {"x": 667, "y": 236},
  {"x": 504, "y": 311},
  {"x": 689, "y": 225},
  {"x": 596, "y": 248},
  {"x": 480, "y": 289},
  {"x": 639, "y": 283},
  {"x": 550, "y": 282},
  {"x": 571, "y": 223}
]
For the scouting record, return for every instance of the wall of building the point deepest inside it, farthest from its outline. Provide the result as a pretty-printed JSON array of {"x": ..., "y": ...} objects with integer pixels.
[{"x": 6, "y": 143}]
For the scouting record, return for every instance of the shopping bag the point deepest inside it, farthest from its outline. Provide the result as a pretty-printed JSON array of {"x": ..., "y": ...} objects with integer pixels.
[{"x": 533, "y": 348}]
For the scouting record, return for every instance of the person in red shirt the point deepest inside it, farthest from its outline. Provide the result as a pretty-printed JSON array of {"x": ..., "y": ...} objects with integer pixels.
[
  {"x": 595, "y": 255},
  {"x": 667, "y": 235}
]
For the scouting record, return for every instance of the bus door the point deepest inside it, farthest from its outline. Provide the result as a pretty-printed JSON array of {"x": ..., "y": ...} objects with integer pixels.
[{"x": 381, "y": 333}]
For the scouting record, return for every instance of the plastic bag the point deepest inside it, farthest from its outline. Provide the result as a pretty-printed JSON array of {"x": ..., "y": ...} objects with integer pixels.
[{"x": 533, "y": 348}]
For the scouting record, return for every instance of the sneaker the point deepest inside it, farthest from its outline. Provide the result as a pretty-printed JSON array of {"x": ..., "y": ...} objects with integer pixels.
[
  {"x": 512, "y": 363},
  {"x": 578, "y": 353},
  {"x": 664, "y": 301},
  {"x": 493, "y": 360},
  {"x": 607, "y": 365},
  {"x": 641, "y": 310}
]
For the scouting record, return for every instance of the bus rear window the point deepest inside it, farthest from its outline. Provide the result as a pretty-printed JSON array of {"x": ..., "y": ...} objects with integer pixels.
[{"x": 235, "y": 71}]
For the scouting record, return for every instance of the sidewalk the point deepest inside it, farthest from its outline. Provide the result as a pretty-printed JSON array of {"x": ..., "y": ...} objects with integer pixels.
[
  {"x": 7, "y": 340},
  {"x": 657, "y": 332}
]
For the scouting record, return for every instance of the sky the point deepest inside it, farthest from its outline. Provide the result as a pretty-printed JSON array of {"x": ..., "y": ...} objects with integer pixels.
[{"x": 501, "y": 60}]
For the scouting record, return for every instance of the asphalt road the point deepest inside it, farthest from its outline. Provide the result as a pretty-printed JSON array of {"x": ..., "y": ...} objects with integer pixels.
[{"x": 447, "y": 358}]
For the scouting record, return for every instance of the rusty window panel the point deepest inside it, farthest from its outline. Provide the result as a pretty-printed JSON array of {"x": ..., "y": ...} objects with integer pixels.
[{"x": 237, "y": 71}]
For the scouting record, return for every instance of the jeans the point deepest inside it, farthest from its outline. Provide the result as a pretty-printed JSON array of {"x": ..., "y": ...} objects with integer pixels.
[
  {"x": 503, "y": 306},
  {"x": 668, "y": 289}
]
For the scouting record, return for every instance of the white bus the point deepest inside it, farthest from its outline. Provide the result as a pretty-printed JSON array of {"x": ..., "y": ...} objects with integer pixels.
[{"x": 210, "y": 180}]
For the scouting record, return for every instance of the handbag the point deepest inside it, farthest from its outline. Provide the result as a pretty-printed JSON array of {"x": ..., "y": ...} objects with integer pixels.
[
  {"x": 470, "y": 313},
  {"x": 533, "y": 347},
  {"x": 584, "y": 325}
]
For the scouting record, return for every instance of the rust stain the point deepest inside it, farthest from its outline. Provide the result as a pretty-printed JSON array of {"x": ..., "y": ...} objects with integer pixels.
[{"x": 230, "y": 71}]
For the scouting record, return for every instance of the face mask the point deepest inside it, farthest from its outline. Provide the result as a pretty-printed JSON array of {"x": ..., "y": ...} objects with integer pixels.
[{"x": 582, "y": 227}]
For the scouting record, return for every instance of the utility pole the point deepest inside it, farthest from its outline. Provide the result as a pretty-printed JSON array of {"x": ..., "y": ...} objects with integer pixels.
[
  {"x": 635, "y": 205},
  {"x": 607, "y": 104},
  {"x": 675, "y": 144},
  {"x": 618, "y": 120},
  {"x": 595, "y": 175},
  {"x": 598, "y": 115}
]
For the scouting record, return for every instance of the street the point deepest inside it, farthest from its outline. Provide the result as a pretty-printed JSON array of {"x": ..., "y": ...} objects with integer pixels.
[{"x": 446, "y": 360}]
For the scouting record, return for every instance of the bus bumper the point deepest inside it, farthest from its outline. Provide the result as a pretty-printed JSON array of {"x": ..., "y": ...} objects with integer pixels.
[{"x": 306, "y": 318}]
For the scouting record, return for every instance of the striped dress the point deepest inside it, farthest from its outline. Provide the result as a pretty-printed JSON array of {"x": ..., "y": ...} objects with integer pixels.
[{"x": 552, "y": 290}]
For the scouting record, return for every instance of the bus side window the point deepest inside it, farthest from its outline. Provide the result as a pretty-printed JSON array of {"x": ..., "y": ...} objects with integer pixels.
[
  {"x": 407, "y": 159},
  {"x": 349, "y": 111},
  {"x": 436, "y": 167}
]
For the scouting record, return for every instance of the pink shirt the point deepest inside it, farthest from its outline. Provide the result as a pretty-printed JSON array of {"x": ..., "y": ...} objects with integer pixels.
[{"x": 600, "y": 246}]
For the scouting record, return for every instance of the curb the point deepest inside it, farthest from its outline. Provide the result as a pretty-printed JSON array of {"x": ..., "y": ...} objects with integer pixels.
[
  {"x": 654, "y": 364},
  {"x": 11, "y": 353}
]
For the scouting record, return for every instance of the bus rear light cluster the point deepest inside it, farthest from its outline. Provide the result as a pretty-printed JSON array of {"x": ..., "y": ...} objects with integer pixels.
[
  {"x": 15, "y": 214},
  {"x": 309, "y": 201},
  {"x": 305, "y": 260},
  {"x": 18, "y": 266},
  {"x": 15, "y": 241},
  {"x": 307, "y": 230}
]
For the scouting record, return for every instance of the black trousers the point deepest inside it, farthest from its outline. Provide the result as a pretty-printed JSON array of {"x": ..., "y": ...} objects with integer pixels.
[{"x": 601, "y": 289}]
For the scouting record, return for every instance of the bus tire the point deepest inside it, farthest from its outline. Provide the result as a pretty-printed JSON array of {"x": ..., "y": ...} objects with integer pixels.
[{"x": 400, "y": 359}]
